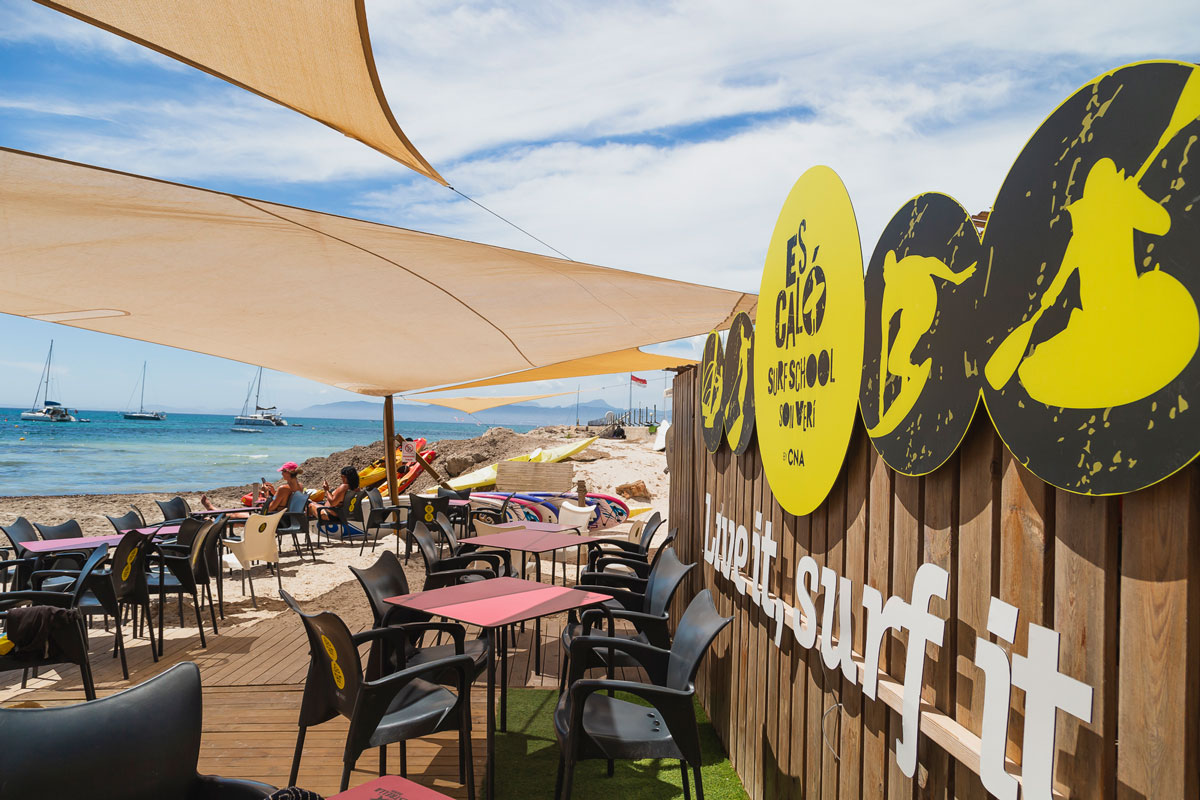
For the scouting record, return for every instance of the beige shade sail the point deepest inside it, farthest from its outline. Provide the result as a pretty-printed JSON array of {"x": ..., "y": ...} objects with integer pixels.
[
  {"x": 630, "y": 360},
  {"x": 473, "y": 405},
  {"x": 358, "y": 305},
  {"x": 314, "y": 57}
]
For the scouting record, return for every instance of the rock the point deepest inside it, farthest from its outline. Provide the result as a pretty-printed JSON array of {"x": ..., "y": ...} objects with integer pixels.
[
  {"x": 457, "y": 465},
  {"x": 634, "y": 491},
  {"x": 479, "y": 458}
]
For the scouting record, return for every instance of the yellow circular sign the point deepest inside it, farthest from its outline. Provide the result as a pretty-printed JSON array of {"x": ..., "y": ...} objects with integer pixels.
[{"x": 808, "y": 342}]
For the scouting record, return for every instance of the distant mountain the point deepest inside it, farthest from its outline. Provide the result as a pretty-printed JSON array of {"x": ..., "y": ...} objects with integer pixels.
[{"x": 516, "y": 414}]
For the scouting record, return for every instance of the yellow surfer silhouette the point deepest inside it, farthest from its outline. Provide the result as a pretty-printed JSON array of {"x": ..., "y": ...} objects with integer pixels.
[
  {"x": 710, "y": 385},
  {"x": 1132, "y": 334},
  {"x": 734, "y": 416},
  {"x": 908, "y": 290}
]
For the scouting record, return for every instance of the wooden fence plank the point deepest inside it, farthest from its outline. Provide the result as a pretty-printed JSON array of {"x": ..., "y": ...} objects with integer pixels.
[
  {"x": 906, "y": 557},
  {"x": 1157, "y": 705},
  {"x": 855, "y": 570},
  {"x": 876, "y": 748},
  {"x": 940, "y": 543}
]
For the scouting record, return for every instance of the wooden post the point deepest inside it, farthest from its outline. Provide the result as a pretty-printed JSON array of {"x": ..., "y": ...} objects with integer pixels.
[
  {"x": 389, "y": 448},
  {"x": 434, "y": 473}
]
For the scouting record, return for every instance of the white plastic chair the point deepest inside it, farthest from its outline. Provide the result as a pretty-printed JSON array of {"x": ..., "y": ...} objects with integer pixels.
[
  {"x": 579, "y": 517},
  {"x": 258, "y": 543}
]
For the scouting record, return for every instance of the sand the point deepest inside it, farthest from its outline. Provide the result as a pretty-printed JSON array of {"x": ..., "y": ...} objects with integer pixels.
[{"x": 604, "y": 465}]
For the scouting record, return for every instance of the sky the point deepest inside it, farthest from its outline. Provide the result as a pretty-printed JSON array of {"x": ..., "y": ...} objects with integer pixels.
[{"x": 656, "y": 137}]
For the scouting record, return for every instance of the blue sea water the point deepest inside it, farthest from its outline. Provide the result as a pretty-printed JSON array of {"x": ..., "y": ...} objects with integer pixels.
[{"x": 185, "y": 452}]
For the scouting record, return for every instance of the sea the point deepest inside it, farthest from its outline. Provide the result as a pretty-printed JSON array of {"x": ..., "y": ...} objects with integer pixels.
[{"x": 185, "y": 452}]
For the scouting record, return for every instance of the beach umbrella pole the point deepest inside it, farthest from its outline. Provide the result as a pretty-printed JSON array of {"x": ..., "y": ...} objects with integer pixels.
[{"x": 389, "y": 448}]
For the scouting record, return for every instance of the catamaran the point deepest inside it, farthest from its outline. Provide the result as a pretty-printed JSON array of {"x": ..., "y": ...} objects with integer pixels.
[
  {"x": 262, "y": 416},
  {"x": 142, "y": 413},
  {"x": 49, "y": 411}
]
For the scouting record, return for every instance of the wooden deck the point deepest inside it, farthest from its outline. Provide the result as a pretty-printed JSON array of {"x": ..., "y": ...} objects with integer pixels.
[{"x": 253, "y": 679}]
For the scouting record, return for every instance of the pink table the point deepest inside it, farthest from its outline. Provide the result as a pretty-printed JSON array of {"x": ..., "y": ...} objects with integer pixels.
[
  {"x": 492, "y": 605},
  {"x": 390, "y": 787},
  {"x": 89, "y": 542}
]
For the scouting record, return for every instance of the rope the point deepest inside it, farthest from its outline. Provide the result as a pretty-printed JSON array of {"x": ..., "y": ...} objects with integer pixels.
[{"x": 509, "y": 222}]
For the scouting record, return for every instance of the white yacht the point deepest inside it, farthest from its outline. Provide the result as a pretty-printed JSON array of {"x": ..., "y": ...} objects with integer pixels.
[
  {"x": 261, "y": 416},
  {"x": 43, "y": 409},
  {"x": 142, "y": 413}
]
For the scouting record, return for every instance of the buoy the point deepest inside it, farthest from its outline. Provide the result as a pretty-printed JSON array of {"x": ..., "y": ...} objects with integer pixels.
[{"x": 22, "y": 438}]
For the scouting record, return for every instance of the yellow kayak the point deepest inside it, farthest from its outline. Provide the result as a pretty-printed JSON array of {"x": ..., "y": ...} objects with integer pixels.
[{"x": 486, "y": 476}]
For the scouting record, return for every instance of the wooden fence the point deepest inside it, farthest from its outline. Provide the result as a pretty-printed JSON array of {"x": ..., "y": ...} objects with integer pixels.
[{"x": 1117, "y": 577}]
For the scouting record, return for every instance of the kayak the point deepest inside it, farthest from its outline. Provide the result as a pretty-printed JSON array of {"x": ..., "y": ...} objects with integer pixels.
[
  {"x": 486, "y": 476},
  {"x": 377, "y": 474},
  {"x": 376, "y": 471}
]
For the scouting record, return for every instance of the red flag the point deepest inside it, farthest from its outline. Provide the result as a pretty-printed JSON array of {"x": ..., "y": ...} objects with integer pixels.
[{"x": 637, "y": 380}]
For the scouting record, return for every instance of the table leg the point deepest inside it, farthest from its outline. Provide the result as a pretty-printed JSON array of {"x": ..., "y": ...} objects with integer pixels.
[
  {"x": 490, "y": 773},
  {"x": 504, "y": 679}
]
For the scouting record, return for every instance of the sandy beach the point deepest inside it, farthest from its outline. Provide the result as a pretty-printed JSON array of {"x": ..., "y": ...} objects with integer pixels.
[{"x": 604, "y": 465}]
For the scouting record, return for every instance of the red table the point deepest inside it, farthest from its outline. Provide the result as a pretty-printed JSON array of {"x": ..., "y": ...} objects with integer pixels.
[
  {"x": 390, "y": 787},
  {"x": 548, "y": 527},
  {"x": 492, "y": 605}
]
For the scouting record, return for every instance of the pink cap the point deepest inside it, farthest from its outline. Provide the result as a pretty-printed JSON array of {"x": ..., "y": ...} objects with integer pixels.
[{"x": 290, "y": 466}]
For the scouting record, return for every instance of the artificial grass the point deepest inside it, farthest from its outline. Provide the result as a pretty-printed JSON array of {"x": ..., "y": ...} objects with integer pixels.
[{"x": 527, "y": 760}]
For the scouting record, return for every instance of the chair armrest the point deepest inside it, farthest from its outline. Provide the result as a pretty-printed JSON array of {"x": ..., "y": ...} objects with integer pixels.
[
  {"x": 615, "y": 579},
  {"x": 503, "y": 556},
  {"x": 654, "y": 627},
  {"x": 493, "y": 560},
  {"x": 598, "y": 546},
  {"x": 405, "y": 630},
  {"x": 631, "y": 601},
  {"x": 452, "y": 577},
  {"x": 211, "y": 787},
  {"x": 13, "y": 599},
  {"x": 584, "y": 648},
  {"x": 36, "y": 579},
  {"x": 640, "y": 569}
]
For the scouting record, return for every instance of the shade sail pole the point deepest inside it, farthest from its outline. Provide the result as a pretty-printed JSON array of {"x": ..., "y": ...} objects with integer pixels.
[{"x": 389, "y": 448}]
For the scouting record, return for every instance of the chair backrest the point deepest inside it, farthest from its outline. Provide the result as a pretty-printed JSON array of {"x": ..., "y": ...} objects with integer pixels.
[
  {"x": 375, "y": 497},
  {"x": 20, "y": 532},
  {"x": 258, "y": 538},
  {"x": 649, "y": 529},
  {"x": 198, "y": 545},
  {"x": 447, "y": 528},
  {"x": 175, "y": 508},
  {"x": 141, "y": 516},
  {"x": 484, "y": 529},
  {"x": 697, "y": 629},
  {"x": 67, "y": 530},
  {"x": 425, "y": 509},
  {"x": 667, "y": 541},
  {"x": 127, "y": 521},
  {"x": 297, "y": 502},
  {"x": 209, "y": 564},
  {"x": 664, "y": 579},
  {"x": 98, "y": 557},
  {"x": 383, "y": 579},
  {"x": 128, "y": 570},
  {"x": 139, "y": 744},
  {"x": 425, "y": 543},
  {"x": 188, "y": 530},
  {"x": 335, "y": 672},
  {"x": 453, "y": 494},
  {"x": 571, "y": 514}
]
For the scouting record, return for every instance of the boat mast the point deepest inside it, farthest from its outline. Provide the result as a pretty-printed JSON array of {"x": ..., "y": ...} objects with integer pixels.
[
  {"x": 44, "y": 380},
  {"x": 142, "y": 403},
  {"x": 258, "y": 390}
]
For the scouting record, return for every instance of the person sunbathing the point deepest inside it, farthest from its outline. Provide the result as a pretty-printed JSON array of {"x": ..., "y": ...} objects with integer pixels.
[
  {"x": 327, "y": 509},
  {"x": 275, "y": 498}
]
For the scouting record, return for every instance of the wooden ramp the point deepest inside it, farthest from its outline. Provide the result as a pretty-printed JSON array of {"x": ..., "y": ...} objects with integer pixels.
[{"x": 253, "y": 679}]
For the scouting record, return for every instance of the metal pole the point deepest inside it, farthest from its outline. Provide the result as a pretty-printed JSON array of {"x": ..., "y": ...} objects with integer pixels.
[
  {"x": 577, "y": 404},
  {"x": 389, "y": 448}
]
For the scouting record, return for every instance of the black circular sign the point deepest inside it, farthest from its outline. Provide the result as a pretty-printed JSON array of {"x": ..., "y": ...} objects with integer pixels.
[
  {"x": 737, "y": 384},
  {"x": 712, "y": 407}
]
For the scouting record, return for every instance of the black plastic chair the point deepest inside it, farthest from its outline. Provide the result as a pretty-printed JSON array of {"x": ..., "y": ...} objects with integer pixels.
[
  {"x": 456, "y": 548},
  {"x": 351, "y": 519},
  {"x": 422, "y": 508},
  {"x": 174, "y": 510},
  {"x": 122, "y": 586},
  {"x": 440, "y": 572},
  {"x": 380, "y": 520},
  {"x": 614, "y": 547},
  {"x": 128, "y": 521},
  {"x": 19, "y": 533},
  {"x": 75, "y": 649},
  {"x": 67, "y": 530},
  {"x": 140, "y": 744},
  {"x": 458, "y": 515},
  {"x": 295, "y": 523},
  {"x": 184, "y": 574},
  {"x": 382, "y": 709},
  {"x": 385, "y": 578},
  {"x": 589, "y": 724},
  {"x": 636, "y": 565},
  {"x": 647, "y": 611}
]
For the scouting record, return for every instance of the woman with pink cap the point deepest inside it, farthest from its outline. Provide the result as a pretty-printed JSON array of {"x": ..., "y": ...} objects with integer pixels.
[{"x": 276, "y": 497}]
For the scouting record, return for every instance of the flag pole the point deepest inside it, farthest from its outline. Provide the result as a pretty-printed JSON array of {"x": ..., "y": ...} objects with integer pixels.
[{"x": 629, "y": 411}]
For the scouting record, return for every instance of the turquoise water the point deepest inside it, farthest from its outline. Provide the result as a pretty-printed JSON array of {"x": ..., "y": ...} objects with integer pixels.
[{"x": 186, "y": 452}]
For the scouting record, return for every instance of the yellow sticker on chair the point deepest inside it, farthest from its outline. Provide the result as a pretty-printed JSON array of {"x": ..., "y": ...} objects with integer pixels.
[
  {"x": 429, "y": 512},
  {"x": 125, "y": 572},
  {"x": 339, "y": 677},
  {"x": 329, "y": 648}
]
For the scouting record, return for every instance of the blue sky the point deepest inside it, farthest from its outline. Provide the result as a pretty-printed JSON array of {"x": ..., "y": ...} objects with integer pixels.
[{"x": 655, "y": 137}]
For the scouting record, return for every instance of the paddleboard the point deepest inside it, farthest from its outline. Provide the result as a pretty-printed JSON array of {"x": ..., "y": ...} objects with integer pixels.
[{"x": 660, "y": 439}]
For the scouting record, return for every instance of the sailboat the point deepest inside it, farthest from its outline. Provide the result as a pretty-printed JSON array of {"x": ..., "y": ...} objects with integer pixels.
[
  {"x": 142, "y": 413},
  {"x": 261, "y": 417},
  {"x": 49, "y": 411}
]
